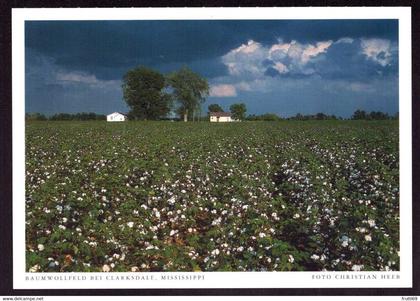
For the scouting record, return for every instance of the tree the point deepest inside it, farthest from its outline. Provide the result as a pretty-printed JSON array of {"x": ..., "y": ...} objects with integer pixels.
[
  {"x": 378, "y": 115},
  {"x": 214, "y": 108},
  {"x": 320, "y": 116},
  {"x": 35, "y": 116},
  {"x": 190, "y": 90},
  {"x": 238, "y": 111},
  {"x": 143, "y": 91},
  {"x": 359, "y": 114},
  {"x": 264, "y": 117}
]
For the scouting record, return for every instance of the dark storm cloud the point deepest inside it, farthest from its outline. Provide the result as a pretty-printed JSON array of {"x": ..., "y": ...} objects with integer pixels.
[{"x": 108, "y": 48}]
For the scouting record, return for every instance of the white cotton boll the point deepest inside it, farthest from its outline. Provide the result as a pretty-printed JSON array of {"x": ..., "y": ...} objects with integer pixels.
[
  {"x": 291, "y": 259},
  {"x": 371, "y": 222},
  {"x": 315, "y": 257},
  {"x": 357, "y": 268},
  {"x": 215, "y": 252},
  {"x": 35, "y": 268},
  {"x": 41, "y": 247},
  {"x": 106, "y": 268},
  {"x": 134, "y": 269},
  {"x": 130, "y": 224},
  {"x": 368, "y": 238}
]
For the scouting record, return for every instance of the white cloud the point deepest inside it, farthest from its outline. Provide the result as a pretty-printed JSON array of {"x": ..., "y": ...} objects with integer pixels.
[
  {"x": 250, "y": 47},
  {"x": 87, "y": 79},
  {"x": 377, "y": 50},
  {"x": 281, "y": 68},
  {"x": 300, "y": 54},
  {"x": 246, "y": 59},
  {"x": 345, "y": 40},
  {"x": 243, "y": 86},
  {"x": 77, "y": 78},
  {"x": 251, "y": 60},
  {"x": 311, "y": 51},
  {"x": 360, "y": 87},
  {"x": 223, "y": 90},
  {"x": 357, "y": 87}
]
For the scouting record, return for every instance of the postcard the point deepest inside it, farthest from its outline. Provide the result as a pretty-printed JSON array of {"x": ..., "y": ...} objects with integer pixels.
[{"x": 212, "y": 148}]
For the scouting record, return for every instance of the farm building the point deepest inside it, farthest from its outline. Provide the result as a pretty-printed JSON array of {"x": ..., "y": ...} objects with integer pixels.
[
  {"x": 116, "y": 116},
  {"x": 220, "y": 117}
]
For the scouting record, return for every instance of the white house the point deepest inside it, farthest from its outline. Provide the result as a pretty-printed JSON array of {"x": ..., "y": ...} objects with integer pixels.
[
  {"x": 116, "y": 116},
  {"x": 220, "y": 117}
]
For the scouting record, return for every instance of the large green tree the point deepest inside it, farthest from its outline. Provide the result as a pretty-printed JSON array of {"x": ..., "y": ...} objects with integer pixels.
[
  {"x": 189, "y": 90},
  {"x": 238, "y": 111},
  {"x": 143, "y": 91},
  {"x": 214, "y": 107}
]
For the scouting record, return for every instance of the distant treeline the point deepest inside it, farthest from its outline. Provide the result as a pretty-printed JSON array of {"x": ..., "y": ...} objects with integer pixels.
[
  {"x": 357, "y": 115},
  {"x": 264, "y": 117},
  {"x": 374, "y": 115},
  {"x": 318, "y": 116},
  {"x": 298, "y": 116},
  {"x": 65, "y": 116}
]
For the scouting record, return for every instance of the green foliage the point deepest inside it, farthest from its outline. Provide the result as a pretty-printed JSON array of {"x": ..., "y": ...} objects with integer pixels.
[
  {"x": 318, "y": 116},
  {"x": 189, "y": 89},
  {"x": 264, "y": 117},
  {"x": 78, "y": 116},
  {"x": 374, "y": 115},
  {"x": 214, "y": 107},
  {"x": 143, "y": 91},
  {"x": 238, "y": 111},
  {"x": 35, "y": 116}
]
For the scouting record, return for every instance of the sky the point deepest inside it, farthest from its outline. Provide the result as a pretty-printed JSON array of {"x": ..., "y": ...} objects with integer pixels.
[{"x": 273, "y": 66}]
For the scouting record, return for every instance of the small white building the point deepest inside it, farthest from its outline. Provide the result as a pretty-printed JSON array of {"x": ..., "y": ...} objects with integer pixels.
[
  {"x": 116, "y": 116},
  {"x": 220, "y": 117}
]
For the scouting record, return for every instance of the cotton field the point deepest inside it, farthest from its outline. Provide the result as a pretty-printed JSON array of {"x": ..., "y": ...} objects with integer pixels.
[{"x": 250, "y": 196}]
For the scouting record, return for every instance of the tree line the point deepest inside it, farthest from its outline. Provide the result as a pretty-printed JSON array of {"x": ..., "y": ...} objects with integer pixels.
[
  {"x": 66, "y": 116},
  {"x": 237, "y": 110},
  {"x": 374, "y": 115}
]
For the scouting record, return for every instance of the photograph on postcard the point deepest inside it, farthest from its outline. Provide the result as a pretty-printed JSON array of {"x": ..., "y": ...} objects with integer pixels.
[{"x": 242, "y": 146}]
